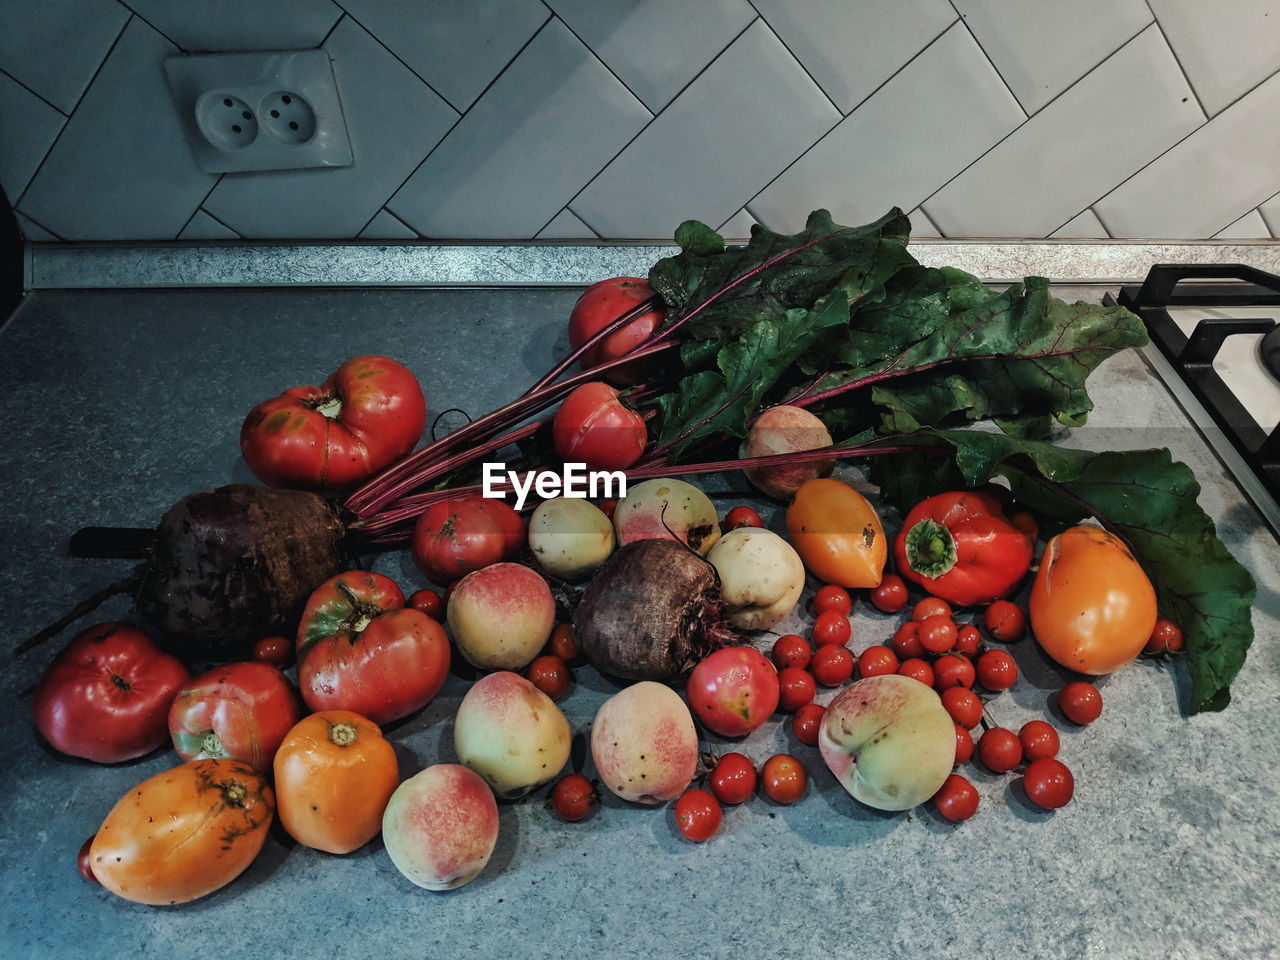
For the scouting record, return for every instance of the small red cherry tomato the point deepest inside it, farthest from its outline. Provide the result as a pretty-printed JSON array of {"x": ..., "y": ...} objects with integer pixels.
[
  {"x": 891, "y": 596},
  {"x": 83, "y": 863},
  {"x": 1048, "y": 783},
  {"x": 783, "y": 779},
  {"x": 877, "y": 661},
  {"x": 956, "y": 799},
  {"x": 938, "y": 633},
  {"x": 806, "y": 723},
  {"x": 428, "y": 601},
  {"x": 1039, "y": 740},
  {"x": 1165, "y": 637},
  {"x": 1080, "y": 702},
  {"x": 698, "y": 815},
  {"x": 742, "y": 517},
  {"x": 276, "y": 651},
  {"x": 563, "y": 644},
  {"x": 832, "y": 665},
  {"x": 1006, "y": 621},
  {"x": 968, "y": 641},
  {"x": 573, "y": 796},
  {"x": 963, "y": 705},
  {"x": 549, "y": 674},
  {"x": 997, "y": 670},
  {"x": 733, "y": 780},
  {"x": 906, "y": 641},
  {"x": 964, "y": 745},
  {"x": 930, "y": 607},
  {"x": 831, "y": 627},
  {"x": 796, "y": 688},
  {"x": 952, "y": 671},
  {"x": 792, "y": 650},
  {"x": 1000, "y": 750},
  {"x": 917, "y": 669},
  {"x": 834, "y": 598}
]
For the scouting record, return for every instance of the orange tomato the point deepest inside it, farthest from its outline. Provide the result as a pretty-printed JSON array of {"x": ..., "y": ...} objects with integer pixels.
[
  {"x": 334, "y": 776},
  {"x": 183, "y": 833},
  {"x": 1092, "y": 606},
  {"x": 837, "y": 534}
]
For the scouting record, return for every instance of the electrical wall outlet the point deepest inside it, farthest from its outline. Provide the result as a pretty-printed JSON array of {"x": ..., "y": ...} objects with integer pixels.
[{"x": 276, "y": 110}]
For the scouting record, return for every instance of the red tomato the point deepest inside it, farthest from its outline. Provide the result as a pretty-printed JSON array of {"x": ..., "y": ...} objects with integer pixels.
[
  {"x": 791, "y": 650},
  {"x": 831, "y": 627},
  {"x": 938, "y": 633},
  {"x": 600, "y": 305},
  {"x": 891, "y": 596},
  {"x": 807, "y": 722},
  {"x": 564, "y": 644},
  {"x": 594, "y": 427},
  {"x": 459, "y": 536},
  {"x": 997, "y": 670},
  {"x": 1006, "y": 621},
  {"x": 733, "y": 780},
  {"x": 361, "y": 649},
  {"x": 366, "y": 416},
  {"x": 742, "y": 517},
  {"x": 952, "y": 671},
  {"x": 832, "y": 665},
  {"x": 796, "y": 688},
  {"x": 277, "y": 651},
  {"x": 240, "y": 710},
  {"x": 106, "y": 696},
  {"x": 964, "y": 745},
  {"x": 1166, "y": 637},
  {"x": 84, "y": 863},
  {"x": 1000, "y": 750},
  {"x": 834, "y": 598},
  {"x": 877, "y": 661},
  {"x": 1039, "y": 740},
  {"x": 698, "y": 815},
  {"x": 1048, "y": 783},
  {"x": 428, "y": 601},
  {"x": 573, "y": 797},
  {"x": 917, "y": 669},
  {"x": 734, "y": 690},
  {"x": 930, "y": 607},
  {"x": 956, "y": 799},
  {"x": 968, "y": 641},
  {"x": 549, "y": 674},
  {"x": 607, "y": 507},
  {"x": 906, "y": 641},
  {"x": 1081, "y": 702},
  {"x": 783, "y": 778},
  {"x": 963, "y": 705}
]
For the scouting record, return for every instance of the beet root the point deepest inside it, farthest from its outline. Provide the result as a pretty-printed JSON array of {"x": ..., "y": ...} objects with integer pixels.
[
  {"x": 232, "y": 564},
  {"x": 651, "y": 611}
]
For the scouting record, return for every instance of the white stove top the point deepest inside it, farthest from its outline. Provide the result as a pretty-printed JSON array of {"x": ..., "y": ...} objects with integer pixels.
[{"x": 1239, "y": 362}]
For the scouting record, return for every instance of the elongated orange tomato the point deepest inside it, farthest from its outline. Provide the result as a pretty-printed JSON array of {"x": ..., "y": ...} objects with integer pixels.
[
  {"x": 334, "y": 776},
  {"x": 837, "y": 533},
  {"x": 183, "y": 833},
  {"x": 1092, "y": 606}
]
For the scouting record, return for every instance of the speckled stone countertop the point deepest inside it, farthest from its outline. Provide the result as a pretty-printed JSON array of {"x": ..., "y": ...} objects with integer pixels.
[{"x": 120, "y": 402}]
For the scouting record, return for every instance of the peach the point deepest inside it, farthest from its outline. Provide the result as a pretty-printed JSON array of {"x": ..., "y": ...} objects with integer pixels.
[
  {"x": 570, "y": 537},
  {"x": 440, "y": 826},
  {"x": 889, "y": 741},
  {"x": 761, "y": 577},
  {"x": 665, "y": 509},
  {"x": 511, "y": 733},
  {"x": 500, "y": 616},
  {"x": 785, "y": 429},
  {"x": 644, "y": 743}
]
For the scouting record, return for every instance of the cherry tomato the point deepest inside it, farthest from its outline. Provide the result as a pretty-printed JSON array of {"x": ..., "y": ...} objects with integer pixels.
[
  {"x": 792, "y": 651},
  {"x": 1039, "y": 740},
  {"x": 428, "y": 601},
  {"x": 783, "y": 778},
  {"x": 563, "y": 644},
  {"x": 997, "y": 670},
  {"x": 734, "y": 778},
  {"x": 1081, "y": 702},
  {"x": 807, "y": 722},
  {"x": 906, "y": 641},
  {"x": 964, "y": 745},
  {"x": 549, "y": 674},
  {"x": 276, "y": 651},
  {"x": 952, "y": 671},
  {"x": 964, "y": 706},
  {"x": 1006, "y": 621},
  {"x": 1165, "y": 637},
  {"x": 83, "y": 863},
  {"x": 938, "y": 633},
  {"x": 831, "y": 627},
  {"x": 698, "y": 815},
  {"x": 593, "y": 426},
  {"x": 834, "y": 598},
  {"x": 1000, "y": 750},
  {"x": 742, "y": 517},
  {"x": 1048, "y": 783},
  {"x": 573, "y": 797},
  {"x": 956, "y": 799},
  {"x": 930, "y": 607},
  {"x": 917, "y": 669},
  {"x": 891, "y": 596},
  {"x": 796, "y": 688},
  {"x": 968, "y": 641},
  {"x": 877, "y": 661},
  {"x": 832, "y": 665}
]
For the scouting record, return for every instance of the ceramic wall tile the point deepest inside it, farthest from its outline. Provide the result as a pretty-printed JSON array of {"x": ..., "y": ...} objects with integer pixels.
[
  {"x": 28, "y": 127},
  {"x": 56, "y": 46},
  {"x": 224, "y": 25},
  {"x": 1249, "y": 227},
  {"x": 1083, "y": 226},
  {"x": 921, "y": 225},
  {"x": 566, "y": 226},
  {"x": 1270, "y": 211},
  {"x": 1227, "y": 47},
  {"x": 737, "y": 227},
  {"x": 386, "y": 227},
  {"x": 201, "y": 226}
]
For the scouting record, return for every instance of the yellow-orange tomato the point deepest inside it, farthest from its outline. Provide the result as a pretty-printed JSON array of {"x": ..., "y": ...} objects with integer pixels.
[
  {"x": 1092, "y": 606},
  {"x": 334, "y": 776},
  {"x": 183, "y": 833},
  {"x": 837, "y": 534}
]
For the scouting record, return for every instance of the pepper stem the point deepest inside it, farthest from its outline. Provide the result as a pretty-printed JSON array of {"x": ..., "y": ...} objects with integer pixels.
[{"x": 931, "y": 550}]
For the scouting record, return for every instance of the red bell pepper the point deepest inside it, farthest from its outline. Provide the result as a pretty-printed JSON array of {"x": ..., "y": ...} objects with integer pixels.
[{"x": 961, "y": 546}]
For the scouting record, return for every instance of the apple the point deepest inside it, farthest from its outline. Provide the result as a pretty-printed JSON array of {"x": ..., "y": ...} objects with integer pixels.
[
  {"x": 644, "y": 743},
  {"x": 889, "y": 741},
  {"x": 440, "y": 826},
  {"x": 511, "y": 733}
]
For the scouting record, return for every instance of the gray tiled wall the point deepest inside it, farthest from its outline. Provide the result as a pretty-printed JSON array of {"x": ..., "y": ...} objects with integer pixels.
[{"x": 563, "y": 119}]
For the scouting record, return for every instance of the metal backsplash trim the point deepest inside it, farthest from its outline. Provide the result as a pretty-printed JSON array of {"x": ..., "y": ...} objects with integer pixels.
[{"x": 572, "y": 264}]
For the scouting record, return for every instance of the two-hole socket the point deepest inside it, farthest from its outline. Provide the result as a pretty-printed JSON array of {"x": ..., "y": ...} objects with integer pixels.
[{"x": 228, "y": 123}]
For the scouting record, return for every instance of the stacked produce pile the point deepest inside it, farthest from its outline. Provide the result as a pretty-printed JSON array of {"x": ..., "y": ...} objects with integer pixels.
[{"x": 746, "y": 359}]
